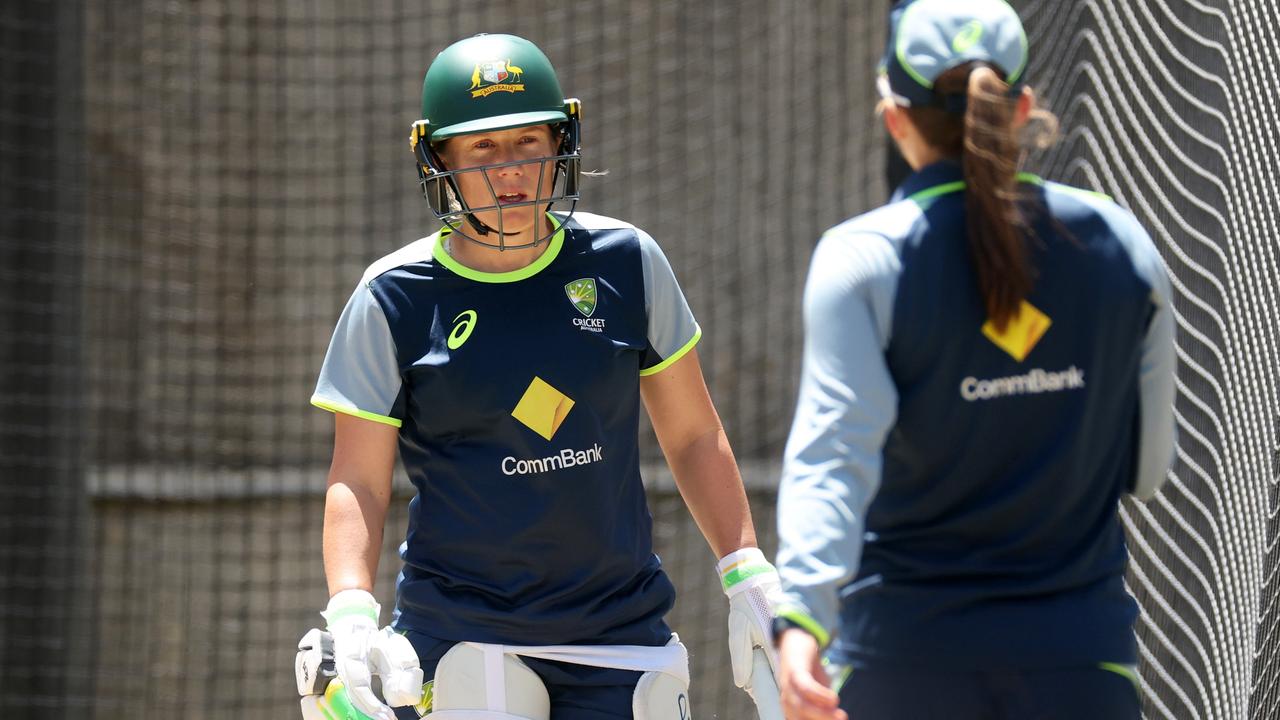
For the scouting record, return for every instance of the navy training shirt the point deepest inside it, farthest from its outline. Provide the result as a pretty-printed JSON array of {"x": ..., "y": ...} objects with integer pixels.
[
  {"x": 517, "y": 399},
  {"x": 950, "y": 492}
]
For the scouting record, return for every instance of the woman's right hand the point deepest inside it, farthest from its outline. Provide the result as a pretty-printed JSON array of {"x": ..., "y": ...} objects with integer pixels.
[{"x": 802, "y": 683}]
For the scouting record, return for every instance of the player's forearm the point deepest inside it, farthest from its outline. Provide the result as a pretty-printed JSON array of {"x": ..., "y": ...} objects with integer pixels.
[
  {"x": 353, "y": 520},
  {"x": 708, "y": 479}
]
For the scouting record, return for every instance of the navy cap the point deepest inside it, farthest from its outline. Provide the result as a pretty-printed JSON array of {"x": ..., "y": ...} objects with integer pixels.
[{"x": 929, "y": 37}]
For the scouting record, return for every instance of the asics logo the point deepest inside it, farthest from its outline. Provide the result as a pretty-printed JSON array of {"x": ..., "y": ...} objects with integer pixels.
[
  {"x": 968, "y": 36},
  {"x": 462, "y": 330}
]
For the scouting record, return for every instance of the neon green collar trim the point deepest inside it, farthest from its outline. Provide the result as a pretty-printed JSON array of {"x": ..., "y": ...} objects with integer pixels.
[
  {"x": 947, "y": 188},
  {"x": 442, "y": 256}
]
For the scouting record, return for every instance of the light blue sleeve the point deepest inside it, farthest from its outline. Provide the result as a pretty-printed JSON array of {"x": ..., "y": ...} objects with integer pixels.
[
  {"x": 1157, "y": 432},
  {"x": 360, "y": 375},
  {"x": 672, "y": 330},
  {"x": 847, "y": 404}
]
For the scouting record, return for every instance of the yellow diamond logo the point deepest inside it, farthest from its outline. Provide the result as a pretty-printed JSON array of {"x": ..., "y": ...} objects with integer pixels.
[
  {"x": 1021, "y": 333},
  {"x": 542, "y": 408}
]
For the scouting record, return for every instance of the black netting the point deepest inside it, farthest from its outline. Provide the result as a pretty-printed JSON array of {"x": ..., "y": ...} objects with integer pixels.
[{"x": 1170, "y": 107}]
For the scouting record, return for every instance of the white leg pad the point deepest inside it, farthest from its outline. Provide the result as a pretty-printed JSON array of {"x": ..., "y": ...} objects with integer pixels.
[
  {"x": 474, "y": 681},
  {"x": 661, "y": 696}
]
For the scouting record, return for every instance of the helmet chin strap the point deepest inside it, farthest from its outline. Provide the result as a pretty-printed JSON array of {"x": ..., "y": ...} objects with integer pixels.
[
  {"x": 460, "y": 209},
  {"x": 484, "y": 229}
]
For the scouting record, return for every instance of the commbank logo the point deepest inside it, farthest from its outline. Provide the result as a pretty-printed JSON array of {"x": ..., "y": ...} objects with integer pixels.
[
  {"x": 566, "y": 458},
  {"x": 1036, "y": 382},
  {"x": 1021, "y": 333},
  {"x": 542, "y": 408}
]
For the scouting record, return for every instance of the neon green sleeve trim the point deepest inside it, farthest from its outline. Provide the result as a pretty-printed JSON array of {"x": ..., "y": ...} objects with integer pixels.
[
  {"x": 697, "y": 335},
  {"x": 443, "y": 257},
  {"x": 354, "y": 412},
  {"x": 1124, "y": 670},
  {"x": 810, "y": 625}
]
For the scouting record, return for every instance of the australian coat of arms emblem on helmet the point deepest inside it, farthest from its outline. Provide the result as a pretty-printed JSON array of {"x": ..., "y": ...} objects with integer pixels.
[{"x": 496, "y": 76}]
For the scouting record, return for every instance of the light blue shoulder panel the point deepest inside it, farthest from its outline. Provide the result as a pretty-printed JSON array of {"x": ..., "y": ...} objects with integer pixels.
[{"x": 672, "y": 328}]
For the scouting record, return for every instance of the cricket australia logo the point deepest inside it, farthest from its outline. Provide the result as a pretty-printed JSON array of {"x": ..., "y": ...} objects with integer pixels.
[
  {"x": 496, "y": 76},
  {"x": 582, "y": 295}
]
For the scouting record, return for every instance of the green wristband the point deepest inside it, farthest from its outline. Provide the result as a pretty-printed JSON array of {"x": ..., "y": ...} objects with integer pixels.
[{"x": 738, "y": 574}]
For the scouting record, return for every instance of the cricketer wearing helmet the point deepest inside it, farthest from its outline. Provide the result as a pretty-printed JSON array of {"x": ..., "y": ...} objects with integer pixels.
[
  {"x": 507, "y": 357},
  {"x": 461, "y": 94}
]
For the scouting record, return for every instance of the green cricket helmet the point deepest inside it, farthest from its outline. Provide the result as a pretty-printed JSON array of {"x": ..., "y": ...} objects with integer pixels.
[{"x": 485, "y": 83}]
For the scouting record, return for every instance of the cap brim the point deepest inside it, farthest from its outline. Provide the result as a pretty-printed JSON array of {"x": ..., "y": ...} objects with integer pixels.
[{"x": 500, "y": 122}]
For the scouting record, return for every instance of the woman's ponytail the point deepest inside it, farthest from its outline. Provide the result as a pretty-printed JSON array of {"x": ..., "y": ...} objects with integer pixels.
[
  {"x": 997, "y": 233},
  {"x": 989, "y": 149}
]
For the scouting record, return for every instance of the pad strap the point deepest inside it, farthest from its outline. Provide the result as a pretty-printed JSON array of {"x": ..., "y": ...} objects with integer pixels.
[
  {"x": 495, "y": 686},
  {"x": 672, "y": 658}
]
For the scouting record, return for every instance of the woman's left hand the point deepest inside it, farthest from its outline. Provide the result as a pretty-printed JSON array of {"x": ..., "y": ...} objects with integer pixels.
[{"x": 802, "y": 682}]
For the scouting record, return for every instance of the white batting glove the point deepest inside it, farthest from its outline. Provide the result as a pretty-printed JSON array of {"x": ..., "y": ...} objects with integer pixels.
[
  {"x": 394, "y": 660},
  {"x": 361, "y": 651},
  {"x": 753, "y": 588}
]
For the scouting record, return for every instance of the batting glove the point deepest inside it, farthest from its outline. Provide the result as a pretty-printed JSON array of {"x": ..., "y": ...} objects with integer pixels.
[
  {"x": 753, "y": 588},
  {"x": 361, "y": 651}
]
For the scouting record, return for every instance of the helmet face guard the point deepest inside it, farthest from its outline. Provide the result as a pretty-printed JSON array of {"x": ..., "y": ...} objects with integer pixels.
[
  {"x": 440, "y": 187},
  {"x": 488, "y": 83}
]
